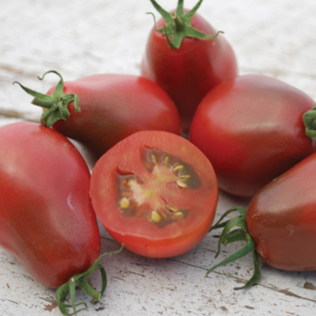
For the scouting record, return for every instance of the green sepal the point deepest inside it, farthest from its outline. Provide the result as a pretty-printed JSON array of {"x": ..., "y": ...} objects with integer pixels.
[
  {"x": 81, "y": 281},
  {"x": 240, "y": 234},
  {"x": 55, "y": 105},
  {"x": 178, "y": 24},
  {"x": 309, "y": 119},
  {"x": 233, "y": 236}
]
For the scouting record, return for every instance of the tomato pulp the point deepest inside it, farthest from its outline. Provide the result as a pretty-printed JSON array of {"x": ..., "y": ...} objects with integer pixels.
[
  {"x": 156, "y": 193},
  {"x": 251, "y": 129},
  {"x": 46, "y": 216}
]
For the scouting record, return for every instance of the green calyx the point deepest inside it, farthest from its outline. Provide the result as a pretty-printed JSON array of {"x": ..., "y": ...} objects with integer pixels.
[
  {"x": 178, "y": 24},
  {"x": 309, "y": 119},
  {"x": 240, "y": 234},
  {"x": 82, "y": 282},
  {"x": 55, "y": 105}
]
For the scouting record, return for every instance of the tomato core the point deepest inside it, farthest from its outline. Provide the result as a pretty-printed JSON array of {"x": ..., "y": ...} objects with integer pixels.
[{"x": 147, "y": 197}]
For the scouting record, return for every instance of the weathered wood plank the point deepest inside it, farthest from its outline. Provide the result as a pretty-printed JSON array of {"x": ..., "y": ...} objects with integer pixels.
[{"x": 79, "y": 38}]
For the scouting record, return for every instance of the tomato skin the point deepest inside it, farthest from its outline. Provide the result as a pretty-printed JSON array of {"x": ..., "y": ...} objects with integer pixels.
[
  {"x": 251, "y": 129},
  {"x": 281, "y": 218},
  {"x": 46, "y": 217},
  {"x": 138, "y": 233},
  {"x": 114, "y": 106},
  {"x": 187, "y": 74}
]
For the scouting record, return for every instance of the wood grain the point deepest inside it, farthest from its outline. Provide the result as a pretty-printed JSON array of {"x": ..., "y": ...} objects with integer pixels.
[{"x": 78, "y": 38}]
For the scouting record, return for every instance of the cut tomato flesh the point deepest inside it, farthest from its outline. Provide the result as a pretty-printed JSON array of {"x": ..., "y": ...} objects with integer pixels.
[
  {"x": 148, "y": 197},
  {"x": 156, "y": 193}
]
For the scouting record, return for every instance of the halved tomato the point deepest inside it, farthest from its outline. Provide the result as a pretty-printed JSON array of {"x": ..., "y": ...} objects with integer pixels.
[{"x": 155, "y": 192}]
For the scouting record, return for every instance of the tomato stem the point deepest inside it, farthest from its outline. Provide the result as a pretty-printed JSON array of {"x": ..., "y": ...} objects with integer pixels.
[
  {"x": 309, "y": 119},
  {"x": 80, "y": 280},
  {"x": 55, "y": 105},
  {"x": 241, "y": 234},
  {"x": 178, "y": 24}
]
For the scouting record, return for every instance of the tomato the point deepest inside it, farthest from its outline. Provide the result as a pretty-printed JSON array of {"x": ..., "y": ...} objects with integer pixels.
[
  {"x": 105, "y": 108},
  {"x": 194, "y": 64},
  {"x": 46, "y": 217},
  {"x": 155, "y": 192},
  {"x": 251, "y": 129},
  {"x": 280, "y": 223},
  {"x": 281, "y": 219}
]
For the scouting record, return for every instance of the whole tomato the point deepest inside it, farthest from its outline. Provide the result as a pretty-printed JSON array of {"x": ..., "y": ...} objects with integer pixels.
[
  {"x": 281, "y": 219},
  {"x": 280, "y": 223},
  {"x": 191, "y": 63},
  {"x": 155, "y": 192},
  {"x": 251, "y": 128},
  {"x": 46, "y": 217},
  {"x": 102, "y": 109}
]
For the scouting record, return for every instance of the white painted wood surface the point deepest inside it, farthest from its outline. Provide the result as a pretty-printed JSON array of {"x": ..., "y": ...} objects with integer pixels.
[{"x": 77, "y": 38}]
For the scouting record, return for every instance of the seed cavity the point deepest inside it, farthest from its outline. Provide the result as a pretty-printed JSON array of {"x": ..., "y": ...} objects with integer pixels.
[
  {"x": 169, "y": 168},
  {"x": 149, "y": 195}
]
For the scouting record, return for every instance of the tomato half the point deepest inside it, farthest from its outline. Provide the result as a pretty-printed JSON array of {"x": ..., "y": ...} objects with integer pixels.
[
  {"x": 155, "y": 192},
  {"x": 251, "y": 129}
]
